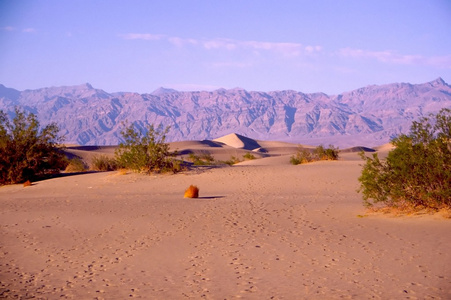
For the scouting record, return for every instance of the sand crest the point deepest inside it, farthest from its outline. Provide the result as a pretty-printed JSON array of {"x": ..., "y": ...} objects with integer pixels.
[
  {"x": 263, "y": 229},
  {"x": 238, "y": 141}
]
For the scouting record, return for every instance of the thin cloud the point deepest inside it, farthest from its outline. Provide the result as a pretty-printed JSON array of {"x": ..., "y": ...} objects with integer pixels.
[
  {"x": 25, "y": 30},
  {"x": 287, "y": 49},
  {"x": 227, "y": 44},
  {"x": 313, "y": 49},
  {"x": 180, "y": 42},
  {"x": 29, "y": 30},
  {"x": 393, "y": 57},
  {"x": 8, "y": 28},
  {"x": 142, "y": 36}
]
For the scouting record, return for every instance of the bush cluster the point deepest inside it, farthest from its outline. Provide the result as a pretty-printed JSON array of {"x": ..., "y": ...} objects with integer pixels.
[
  {"x": 76, "y": 165},
  {"x": 146, "y": 152},
  {"x": 204, "y": 159},
  {"x": 249, "y": 156},
  {"x": 321, "y": 153},
  {"x": 104, "y": 163},
  {"x": 26, "y": 151},
  {"x": 233, "y": 160},
  {"x": 304, "y": 155},
  {"x": 208, "y": 159},
  {"x": 417, "y": 172}
]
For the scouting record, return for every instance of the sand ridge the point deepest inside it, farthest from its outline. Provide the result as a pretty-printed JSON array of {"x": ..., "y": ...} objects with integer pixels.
[
  {"x": 221, "y": 149},
  {"x": 238, "y": 141},
  {"x": 261, "y": 229}
]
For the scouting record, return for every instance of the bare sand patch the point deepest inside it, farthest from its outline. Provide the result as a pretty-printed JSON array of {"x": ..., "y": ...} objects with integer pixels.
[{"x": 259, "y": 230}]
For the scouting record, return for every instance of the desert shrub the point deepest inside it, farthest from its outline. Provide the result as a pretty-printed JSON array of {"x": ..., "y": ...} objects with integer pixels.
[
  {"x": 145, "y": 152},
  {"x": 103, "y": 163},
  {"x": 208, "y": 158},
  {"x": 201, "y": 160},
  {"x": 417, "y": 172},
  {"x": 26, "y": 151},
  {"x": 294, "y": 160},
  {"x": 191, "y": 192},
  {"x": 321, "y": 153},
  {"x": 76, "y": 165},
  {"x": 178, "y": 166},
  {"x": 304, "y": 155},
  {"x": 248, "y": 156},
  {"x": 233, "y": 160}
]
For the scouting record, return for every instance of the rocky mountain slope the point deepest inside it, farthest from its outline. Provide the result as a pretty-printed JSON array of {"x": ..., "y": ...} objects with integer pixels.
[{"x": 366, "y": 116}]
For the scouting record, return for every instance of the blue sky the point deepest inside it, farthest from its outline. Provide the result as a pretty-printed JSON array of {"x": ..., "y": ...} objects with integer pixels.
[{"x": 140, "y": 45}]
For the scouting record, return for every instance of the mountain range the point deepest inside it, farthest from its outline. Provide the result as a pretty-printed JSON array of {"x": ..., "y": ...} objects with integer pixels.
[{"x": 368, "y": 116}]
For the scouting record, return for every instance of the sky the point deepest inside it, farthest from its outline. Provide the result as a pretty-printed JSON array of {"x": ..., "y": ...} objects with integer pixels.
[{"x": 259, "y": 45}]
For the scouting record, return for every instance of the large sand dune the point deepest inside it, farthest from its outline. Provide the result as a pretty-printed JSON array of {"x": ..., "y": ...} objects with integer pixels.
[{"x": 262, "y": 229}]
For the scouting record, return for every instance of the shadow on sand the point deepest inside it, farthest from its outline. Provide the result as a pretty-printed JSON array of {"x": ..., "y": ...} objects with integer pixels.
[{"x": 208, "y": 198}]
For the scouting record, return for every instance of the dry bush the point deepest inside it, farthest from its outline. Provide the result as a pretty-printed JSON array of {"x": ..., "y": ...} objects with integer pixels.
[
  {"x": 76, "y": 165},
  {"x": 192, "y": 192},
  {"x": 321, "y": 153},
  {"x": 304, "y": 155},
  {"x": 103, "y": 163},
  {"x": 27, "y": 183}
]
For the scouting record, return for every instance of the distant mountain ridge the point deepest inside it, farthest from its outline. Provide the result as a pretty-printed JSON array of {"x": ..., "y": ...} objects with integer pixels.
[{"x": 367, "y": 116}]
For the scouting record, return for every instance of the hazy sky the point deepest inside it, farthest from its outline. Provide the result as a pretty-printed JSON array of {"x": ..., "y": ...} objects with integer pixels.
[{"x": 140, "y": 45}]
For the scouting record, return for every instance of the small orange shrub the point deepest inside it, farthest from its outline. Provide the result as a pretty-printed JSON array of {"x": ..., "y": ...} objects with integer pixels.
[
  {"x": 27, "y": 183},
  {"x": 192, "y": 192}
]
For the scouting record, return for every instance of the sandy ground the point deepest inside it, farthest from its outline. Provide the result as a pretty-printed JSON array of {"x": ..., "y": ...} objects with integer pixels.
[{"x": 263, "y": 229}]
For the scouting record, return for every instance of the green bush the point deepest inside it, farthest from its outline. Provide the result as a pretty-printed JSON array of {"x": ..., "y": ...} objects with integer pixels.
[
  {"x": 178, "y": 166},
  {"x": 294, "y": 160},
  {"x": 146, "y": 152},
  {"x": 321, "y": 153},
  {"x": 249, "y": 156},
  {"x": 201, "y": 160},
  {"x": 103, "y": 163},
  {"x": 417, "y": 172},
  {"x": 233, "y": 160},
  {"x": 27, "y": 152},
  {"x": 304, "y": 155}
]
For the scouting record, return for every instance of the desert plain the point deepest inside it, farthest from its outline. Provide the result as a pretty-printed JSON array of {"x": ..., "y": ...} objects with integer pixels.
[{"x": 261, "y": 229}]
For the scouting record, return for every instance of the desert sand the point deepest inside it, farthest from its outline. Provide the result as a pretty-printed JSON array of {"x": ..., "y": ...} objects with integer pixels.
[{"x": 261, "y": 229}]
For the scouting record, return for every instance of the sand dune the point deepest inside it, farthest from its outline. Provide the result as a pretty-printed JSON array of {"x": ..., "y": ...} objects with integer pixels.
[
  {"x": 222, "y": 149},
  {"x": 262, "y": 229},
  {"x": 87, "y": 153},
  {"x": 238, "y": 141},
  {"x": 385, "y": 147}
]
